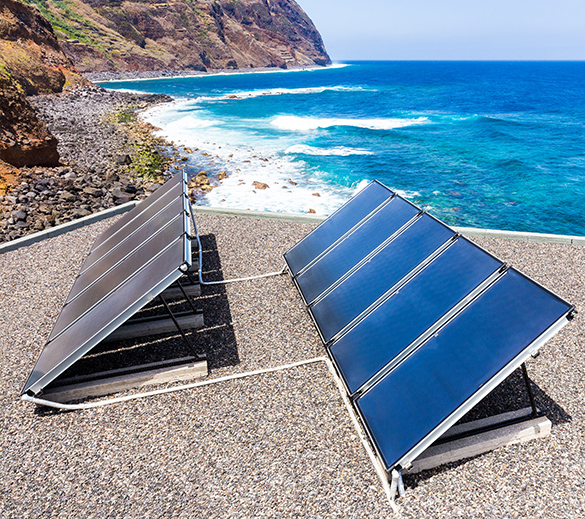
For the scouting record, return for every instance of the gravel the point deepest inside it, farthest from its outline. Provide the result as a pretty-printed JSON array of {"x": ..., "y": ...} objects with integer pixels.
[{"x": 276, "y": 445}]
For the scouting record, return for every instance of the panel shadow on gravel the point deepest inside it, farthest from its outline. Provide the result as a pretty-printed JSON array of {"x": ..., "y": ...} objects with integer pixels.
[
  {"x": 216, "y": 340},
  {"x": 510, "y": 395}
]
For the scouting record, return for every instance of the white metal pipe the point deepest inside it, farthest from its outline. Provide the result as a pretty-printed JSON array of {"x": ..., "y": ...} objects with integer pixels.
[{"x": 101, "y": 403}]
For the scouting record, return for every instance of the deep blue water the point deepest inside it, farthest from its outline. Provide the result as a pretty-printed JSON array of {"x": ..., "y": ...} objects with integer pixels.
[{"x": 483, "y": 144}]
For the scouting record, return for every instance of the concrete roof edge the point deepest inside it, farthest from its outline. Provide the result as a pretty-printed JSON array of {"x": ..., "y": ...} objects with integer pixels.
[
  {"x": 287, "y": 217},
  {"x": 51, "y": 232}
]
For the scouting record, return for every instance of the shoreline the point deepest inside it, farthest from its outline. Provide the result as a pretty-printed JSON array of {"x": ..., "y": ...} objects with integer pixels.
[
  {"x": 108, "y": 157},
  {"x": 112, "y": 77}
]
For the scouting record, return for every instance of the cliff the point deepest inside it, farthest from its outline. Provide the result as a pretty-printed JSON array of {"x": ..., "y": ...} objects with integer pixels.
[
  {"x": 153, "y": 35},
  {"x": 31, "y": 62}
]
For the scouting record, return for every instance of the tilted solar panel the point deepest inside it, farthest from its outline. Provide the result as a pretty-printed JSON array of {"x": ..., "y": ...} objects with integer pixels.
[
  {"x": 435, "y": 386},
  {"x": 378, "y": 276},
  {"x": 340, "y": 259},
  {"x": 119, "y": 283},
  {"x": 336, "y": 226},
  {"x": 420, "y": 323}
]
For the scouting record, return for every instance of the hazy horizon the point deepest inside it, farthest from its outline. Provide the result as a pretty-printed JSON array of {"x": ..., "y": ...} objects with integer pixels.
[{"x": 454, "y": 30}]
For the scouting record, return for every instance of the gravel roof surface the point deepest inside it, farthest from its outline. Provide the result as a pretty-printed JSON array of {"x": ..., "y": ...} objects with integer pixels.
[{"x": 275, "y": 445}]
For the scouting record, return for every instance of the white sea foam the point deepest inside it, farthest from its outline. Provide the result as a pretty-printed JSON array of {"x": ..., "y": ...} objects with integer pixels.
[
  {"x": 190, "y": 123},
  {"x": 305, "y": 124},
  {"x": 340, "y": 151},
  {"x": 250, "y": 94}
]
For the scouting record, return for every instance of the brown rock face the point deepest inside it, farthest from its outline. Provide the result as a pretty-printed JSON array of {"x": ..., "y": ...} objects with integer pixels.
[
  {"x": 30, "y": 53},
  {"x": 24, "y": 140},
  {"x": 31, "y": 62},
  {"x": 150, "y": 35}
]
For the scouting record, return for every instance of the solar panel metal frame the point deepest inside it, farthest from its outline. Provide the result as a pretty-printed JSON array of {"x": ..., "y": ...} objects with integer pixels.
[
  {"x": 529, "y": 351},
  {"x": 149, "y": 293}
]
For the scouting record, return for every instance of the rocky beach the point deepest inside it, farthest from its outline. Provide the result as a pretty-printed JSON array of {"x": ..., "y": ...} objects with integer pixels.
[{"x": 107, "y": 157}]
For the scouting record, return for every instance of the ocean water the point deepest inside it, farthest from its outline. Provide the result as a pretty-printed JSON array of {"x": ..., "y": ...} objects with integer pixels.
[{"x": 483, "y": 144}]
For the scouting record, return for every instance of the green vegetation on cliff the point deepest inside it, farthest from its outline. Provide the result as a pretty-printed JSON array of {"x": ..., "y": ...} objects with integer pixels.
[{"x": 140, "y": 35}]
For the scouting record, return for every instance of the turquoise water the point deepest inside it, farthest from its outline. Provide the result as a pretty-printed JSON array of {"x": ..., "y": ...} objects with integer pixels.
[{"x": 483, "y": 144}]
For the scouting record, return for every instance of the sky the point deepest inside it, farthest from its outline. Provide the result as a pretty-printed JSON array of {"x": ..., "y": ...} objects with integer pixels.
[{"x": 450, "y": 29}]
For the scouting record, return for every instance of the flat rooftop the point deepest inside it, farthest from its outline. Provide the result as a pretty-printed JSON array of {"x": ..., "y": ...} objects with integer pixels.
[{"x": 272, "y": 445}]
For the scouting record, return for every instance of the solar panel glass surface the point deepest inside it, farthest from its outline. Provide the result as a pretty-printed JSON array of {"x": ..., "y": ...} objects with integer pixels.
[
  {"x": 431, "y": 385},
  {"x": 167, "y": 217},
  {"x": 392, "y": 327},
  {"x": 174, "y": 196},
  {"x": 373, "y": 279},
  {"x": 348, "y": 253},
  {"x": 141, "y": 207}
]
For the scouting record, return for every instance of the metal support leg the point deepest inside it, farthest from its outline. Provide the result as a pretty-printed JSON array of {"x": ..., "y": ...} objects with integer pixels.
[
  {"x": 186, "y": 296},
  {"x": 534, "y": 413},
  {"x": 170, "y": 312}
]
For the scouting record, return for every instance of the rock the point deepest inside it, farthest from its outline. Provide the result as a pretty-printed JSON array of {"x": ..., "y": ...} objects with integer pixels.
[
  {"x": 311, "y": 211},
  {"x": 80, "y": 213},
  {"x": 153, "y": 187},
  {"x": 260, "y": 185},
  {"x": 123, "y": 159},
  {"x": 316, "y": 194},
  {"x": 121, "y": 200},
  {"x": 93, "y": 191},
  {"x": 130, "y": 188},
  {"x": 19, "y": 215},
  {"x": 67, "y": 196},
  {"x": 221, "y": 175},
  {"x": 292, "y": 182}
]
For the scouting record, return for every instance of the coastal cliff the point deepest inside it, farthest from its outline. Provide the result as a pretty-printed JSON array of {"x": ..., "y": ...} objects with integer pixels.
[
  {"x": 31, "y": 62},
  {"x": 150, "y": 35}
]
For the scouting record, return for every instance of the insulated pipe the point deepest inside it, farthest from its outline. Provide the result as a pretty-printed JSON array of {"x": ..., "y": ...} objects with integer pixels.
[
  {"x": 373, "y": 458},
  {"x": 223, "y": 281},
  {"x": 101, "y": 403}
]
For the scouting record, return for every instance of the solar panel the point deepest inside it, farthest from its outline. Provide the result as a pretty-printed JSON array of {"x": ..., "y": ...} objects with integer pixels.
[
  {"x": 343, "y": 257},
  {"x": 390, "y": 329},
  {"x": 399, "y": 258},
  {"x": 152, "y": 251},
  {"x": 420, "y": 323},
  {"x": 336, "y": 226},
  {"x": 478, "y": 349}
]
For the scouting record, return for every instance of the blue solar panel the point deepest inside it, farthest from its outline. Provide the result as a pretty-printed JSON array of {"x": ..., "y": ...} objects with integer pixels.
[
  {"x": 489, "y": 338},
  {"x": 339, "y": 223},
  {"x": 346, "y": 255},
  {"x": 385, "y": 333},
  {"x": 366, "y": 285}
]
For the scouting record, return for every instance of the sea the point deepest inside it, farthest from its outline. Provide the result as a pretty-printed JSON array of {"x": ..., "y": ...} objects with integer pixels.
[{"x": 497, "y": 145}]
